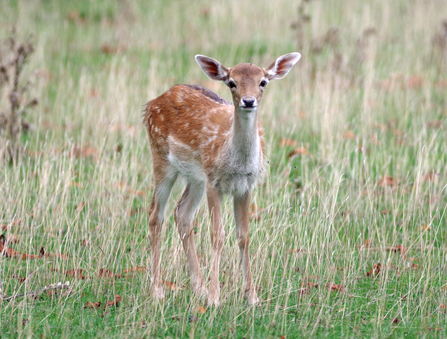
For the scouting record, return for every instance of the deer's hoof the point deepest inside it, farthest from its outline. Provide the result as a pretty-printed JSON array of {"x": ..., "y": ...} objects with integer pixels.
[
  {"x": 251, "y": 296},
  {"x": 157, "y": 292},
  {"x": 201, "y": 291},
  {"x": 213, "y": 299}
]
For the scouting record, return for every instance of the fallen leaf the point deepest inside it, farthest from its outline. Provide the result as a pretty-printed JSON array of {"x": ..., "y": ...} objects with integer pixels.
[
  {"x": 16, "y": 222},
  {"x": 362, "y": 149},
  {"x": 200, "y": 309},
  {"x": 337, "y": 268},
  {"x": 51, "y": 293},
  {"x": 82, "y": 152},
  {"x": 103, "y": 273},
  {"x": 312, "y": 284},
  {"x": 26, "y": 256},
  {"x": 104, "y": 314},
  {"x": 398, "y": 248},
  {"x": 415, "y": 81},
  {"x": 74, "y": 16},
  {"x": 85, "y": 242},
  {"x": 74, "y": 184},
  {"x": 131, "y": 212},
  {"x": 298, "y": 151},
  {"x": 287, "y": 142},
  {"x": 93, "y": 305},
  {"x": 43, "y": 253},
  {"x": 380, "y": 126},
  {"x": 19, "y": 278},
  {"x": 424, "y": 228},
  {"x": 11, "y": 238},
  {"x": 118, "y": 148},
  {"x": 430, "y": 176},
  {"x": 367, "y": 244},
  {"x": 349, "y": 135},
  {"x": 94, "y": 93},
  {"x": 109, "y": 49},
  {"x": 136, "y": 269},
  {"x": 7, "y": 251},
  {"x": 304, "y": 291},
  {"x": 171, "y": 286},
  {"x": 335, "y": 287},
  {"x": 297, "y": 250},
  {"x": 80, "y": 206},
  {"x": 75, "y": 273},
  {"x": 115, "y": 302},
  {"x": 123, "y": 186},
  {"x": 374, "y": 270},
  {"x": 386, "y": 180}
]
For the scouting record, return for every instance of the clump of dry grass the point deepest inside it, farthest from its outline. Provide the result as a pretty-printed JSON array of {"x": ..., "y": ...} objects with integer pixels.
[{"x": 13, "y": 57}]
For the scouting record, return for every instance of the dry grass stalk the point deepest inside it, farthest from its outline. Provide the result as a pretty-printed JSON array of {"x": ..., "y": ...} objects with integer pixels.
[{"x": 55, "y": 286}]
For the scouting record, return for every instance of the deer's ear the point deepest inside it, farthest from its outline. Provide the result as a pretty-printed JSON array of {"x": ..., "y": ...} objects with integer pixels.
[
  {"x": 282, "y": 66},
  {"x": 212, "y": 68}
]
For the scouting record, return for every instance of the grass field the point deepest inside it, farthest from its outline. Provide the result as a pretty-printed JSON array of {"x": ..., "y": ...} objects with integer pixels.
[{"x": 363, "y": 111}]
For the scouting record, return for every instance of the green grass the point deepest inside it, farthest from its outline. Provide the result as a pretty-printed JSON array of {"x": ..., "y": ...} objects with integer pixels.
[{"x": 314, "y": 211}]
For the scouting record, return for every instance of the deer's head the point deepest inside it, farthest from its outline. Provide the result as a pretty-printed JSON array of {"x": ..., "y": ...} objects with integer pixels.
[{"x": 247, "y": 82}]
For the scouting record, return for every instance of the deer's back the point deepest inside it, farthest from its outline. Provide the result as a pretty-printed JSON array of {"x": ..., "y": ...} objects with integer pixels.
[{"x": 188, "y": 121}]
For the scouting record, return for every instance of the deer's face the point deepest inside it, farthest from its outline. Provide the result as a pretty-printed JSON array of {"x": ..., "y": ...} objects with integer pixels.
[{"x": 247, "y": 83}]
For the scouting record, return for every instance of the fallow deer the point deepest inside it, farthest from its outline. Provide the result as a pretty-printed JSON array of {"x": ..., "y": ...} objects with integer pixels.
[{"x": 218, "y": 147}]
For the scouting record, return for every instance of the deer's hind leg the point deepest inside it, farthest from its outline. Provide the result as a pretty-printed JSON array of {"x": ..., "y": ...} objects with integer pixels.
[
  {"x": 184, "y": 215},
  {"x": 165, "y": 178}
]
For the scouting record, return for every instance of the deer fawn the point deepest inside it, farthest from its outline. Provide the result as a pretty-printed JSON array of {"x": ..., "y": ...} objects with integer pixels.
[{"x": 218, "y": 147}]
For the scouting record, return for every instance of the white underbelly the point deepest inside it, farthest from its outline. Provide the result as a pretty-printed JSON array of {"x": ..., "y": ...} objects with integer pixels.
[{"x": 191, "y": 170}]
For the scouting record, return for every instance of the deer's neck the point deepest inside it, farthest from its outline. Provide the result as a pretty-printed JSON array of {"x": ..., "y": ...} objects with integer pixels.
[{"x": 244, "y": 136}]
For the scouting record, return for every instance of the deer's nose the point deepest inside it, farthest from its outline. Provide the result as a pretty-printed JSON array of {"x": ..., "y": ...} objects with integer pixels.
[{"x": 248, "y": 102}]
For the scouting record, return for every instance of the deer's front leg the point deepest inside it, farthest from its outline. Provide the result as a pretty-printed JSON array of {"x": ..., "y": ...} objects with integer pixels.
[
  {"x": 241, "y": 209},
  {"x": 217, "y": 239}
]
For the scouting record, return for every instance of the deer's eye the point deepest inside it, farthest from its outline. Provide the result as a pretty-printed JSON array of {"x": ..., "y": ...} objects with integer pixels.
[
  {"x": 263, "y": 83},
  {"x": 232, "y": 84}
]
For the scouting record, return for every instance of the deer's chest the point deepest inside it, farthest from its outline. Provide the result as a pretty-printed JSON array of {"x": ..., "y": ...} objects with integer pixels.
[{"x": 238, "y": 175}]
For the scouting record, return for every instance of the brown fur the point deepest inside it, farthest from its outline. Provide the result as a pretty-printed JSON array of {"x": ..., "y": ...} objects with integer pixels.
[{"x": 186, "y": 125}]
